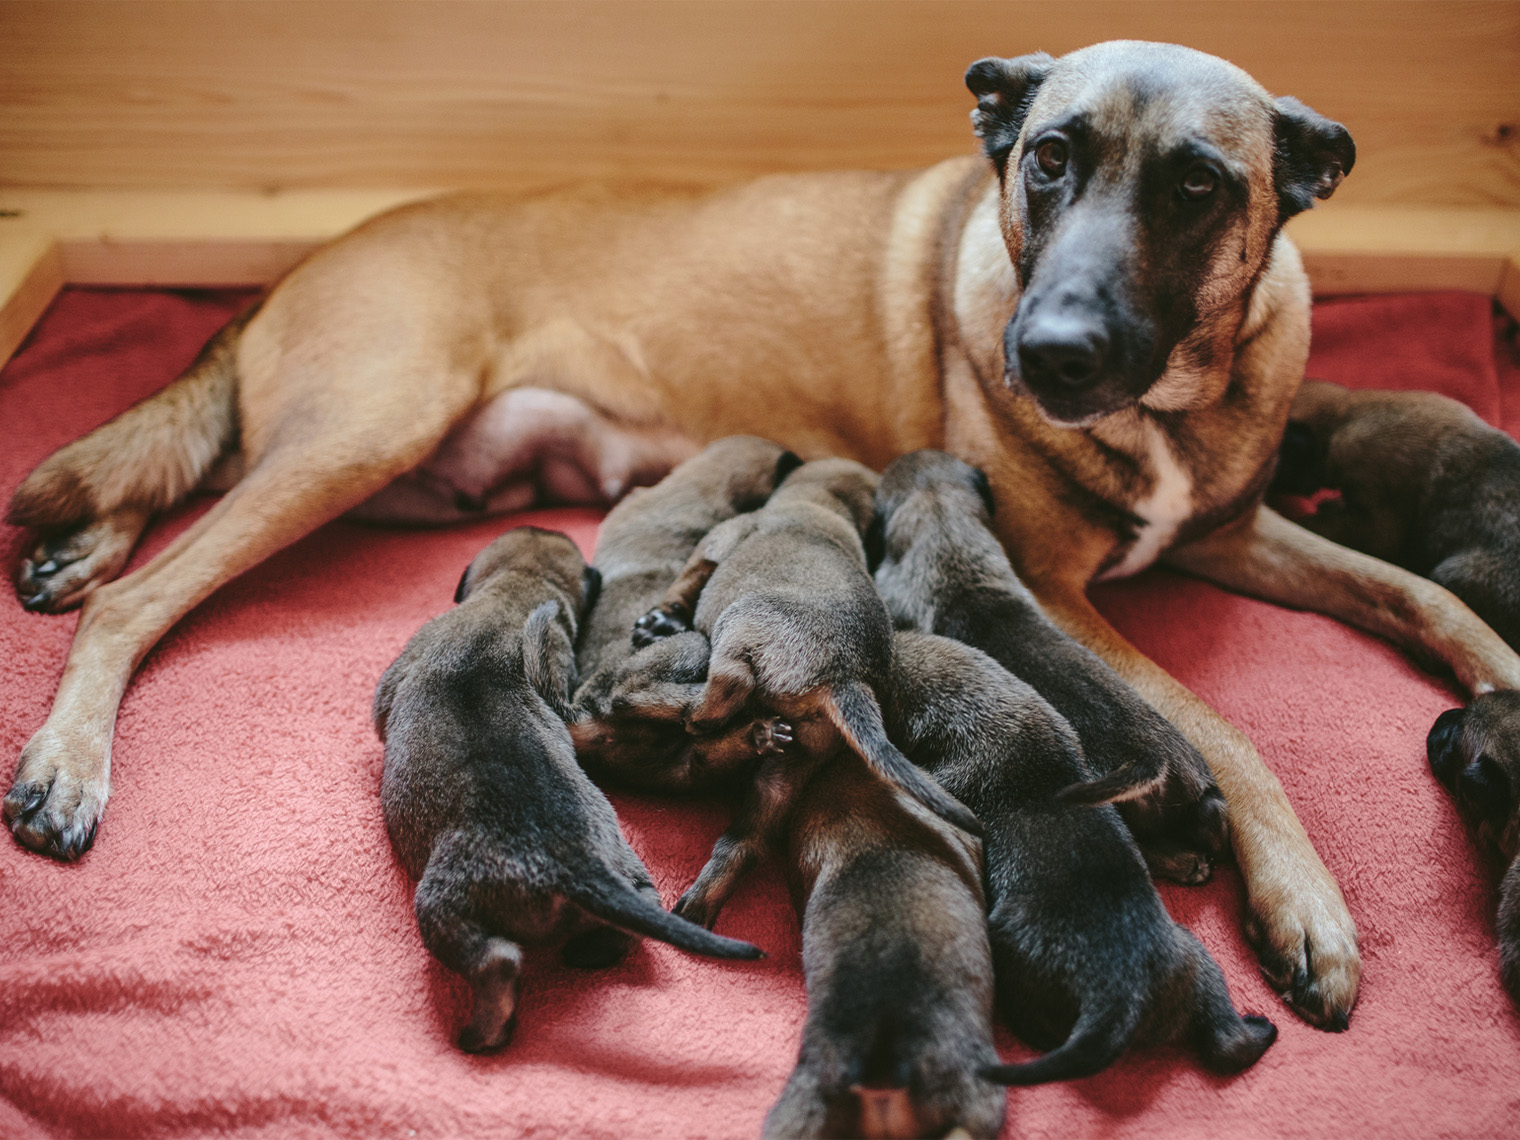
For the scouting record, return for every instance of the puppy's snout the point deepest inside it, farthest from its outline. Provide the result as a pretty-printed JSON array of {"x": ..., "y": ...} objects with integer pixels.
[{"x": 1065, "y": 348}]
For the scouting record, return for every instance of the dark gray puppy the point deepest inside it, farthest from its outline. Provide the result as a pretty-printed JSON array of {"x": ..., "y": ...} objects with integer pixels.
[
  {"x": 1424, "y": 483},
  {"x": 1472, "y": 752},
  {"x": 796, "y": 626},
  {"x": 942, "y": 570},
  {"x": 631, "y": 702},
  {"x": 483, "y": 799},
  {"x": 899, "y": 973},
  {"x": 1087, "y": 960}
]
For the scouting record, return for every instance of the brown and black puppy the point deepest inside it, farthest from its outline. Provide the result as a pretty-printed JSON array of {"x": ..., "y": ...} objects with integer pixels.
[
  {"x": 1088, "y": 962},
  {"x": 483, "y": 799},
  {"x": 1473, "y": 752},
  {"x": 1424, "y": 483},
  {"x": 899, "y": 972},
  {"x": 942, "y": 570},
  {"x": 797, "y": 628},
  {"x": 641, "y": 548}
]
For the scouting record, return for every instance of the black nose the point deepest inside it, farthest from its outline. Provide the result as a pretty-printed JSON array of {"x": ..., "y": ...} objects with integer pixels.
[{"x": 1066, "y": 349}]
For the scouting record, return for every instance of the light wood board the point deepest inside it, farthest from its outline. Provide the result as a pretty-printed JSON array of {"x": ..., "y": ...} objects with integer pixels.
[{"x": 320, "y": 93}]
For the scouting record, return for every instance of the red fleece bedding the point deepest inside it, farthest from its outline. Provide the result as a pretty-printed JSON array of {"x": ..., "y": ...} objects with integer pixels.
[{"x": 238, "y": 955}]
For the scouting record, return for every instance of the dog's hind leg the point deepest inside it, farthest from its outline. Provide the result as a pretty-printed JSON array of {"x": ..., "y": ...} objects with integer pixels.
[
  {"x": 327, "y": 452},
  {"x": 92, "y": 498}
]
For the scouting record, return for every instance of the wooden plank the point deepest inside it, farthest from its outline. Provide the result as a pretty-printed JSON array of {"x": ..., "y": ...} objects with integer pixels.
[
  {"x": 307, "y": 93},
  {"x": 208, "y": 238},
  {"x": 31, "y": 273}
]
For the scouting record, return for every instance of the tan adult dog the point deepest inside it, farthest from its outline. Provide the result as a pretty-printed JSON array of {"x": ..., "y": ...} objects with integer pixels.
[{"x": 468, "y": 353}]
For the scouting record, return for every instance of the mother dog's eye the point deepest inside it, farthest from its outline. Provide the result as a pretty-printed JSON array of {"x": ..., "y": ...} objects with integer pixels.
[
  {"x": 1051, "y": 155},
  {"x": 1199, "y": 182}
]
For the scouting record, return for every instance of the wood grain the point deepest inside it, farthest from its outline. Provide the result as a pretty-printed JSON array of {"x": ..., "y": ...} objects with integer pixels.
[{"x": 324, "y": 93}]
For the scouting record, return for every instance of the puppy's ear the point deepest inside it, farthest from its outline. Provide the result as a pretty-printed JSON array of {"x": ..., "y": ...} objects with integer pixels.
[
  {"x": 464, "y": 585},
  {"x": 1485, "y": 785},
  {"x": 875, "y": 541},
  {"x": 1313, "y": 154},
  {"x": 984, "y": 489},
  {"x": 1004, "y": 89},
  {"x": 786, "y": 463},
  {"x": 591, "y": 588}
]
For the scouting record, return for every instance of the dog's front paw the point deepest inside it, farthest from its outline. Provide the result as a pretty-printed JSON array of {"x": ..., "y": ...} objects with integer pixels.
[
  {"x": 56, "y": 800},
  {"x": 1306, "y": 940},
  {"x": 659, "y": 623}
]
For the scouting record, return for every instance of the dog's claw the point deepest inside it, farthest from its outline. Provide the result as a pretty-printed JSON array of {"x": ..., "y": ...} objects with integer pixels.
[{"x": 1318, "y": 986}]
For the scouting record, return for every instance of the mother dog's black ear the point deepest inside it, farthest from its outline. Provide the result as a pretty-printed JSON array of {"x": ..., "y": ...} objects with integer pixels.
[
  {"x": 1313, "y": 154},
  {"x": 1004, "y": 88}
]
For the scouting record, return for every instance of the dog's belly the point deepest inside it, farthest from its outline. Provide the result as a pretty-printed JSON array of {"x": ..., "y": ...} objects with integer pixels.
[{"x": 529, "y": 447}]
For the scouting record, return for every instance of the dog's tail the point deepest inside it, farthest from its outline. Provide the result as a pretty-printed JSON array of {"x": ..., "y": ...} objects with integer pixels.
[
  {"x": 151, "y": 456},
  {"x": 612, "y": 899},
  {"x": 1098, "y": 1038},
  {"x": 853, "y": 710}
]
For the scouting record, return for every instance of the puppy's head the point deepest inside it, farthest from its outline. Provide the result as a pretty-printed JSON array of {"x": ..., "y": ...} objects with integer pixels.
[
  {"x": 925, "y": 491},
  {"x": 544, "y": 554},
  {"x": 1143, "y": 186},
  {"x": 1475, "y": 752},
  {"x": 850, "y": 485},
  {"x": 746, "y": 469}
]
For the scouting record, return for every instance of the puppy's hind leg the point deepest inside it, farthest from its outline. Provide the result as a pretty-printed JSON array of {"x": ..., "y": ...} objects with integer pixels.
[
  {"x": 492, "y": 965},
  {"x": 1226, "y": 1041}
]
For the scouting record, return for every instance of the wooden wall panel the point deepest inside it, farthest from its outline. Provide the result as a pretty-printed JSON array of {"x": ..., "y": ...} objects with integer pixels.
[{"x": 319, "y": 93}]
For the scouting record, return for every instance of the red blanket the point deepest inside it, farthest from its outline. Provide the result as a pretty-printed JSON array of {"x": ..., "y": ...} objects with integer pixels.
[{"x": 237, "y": 954}]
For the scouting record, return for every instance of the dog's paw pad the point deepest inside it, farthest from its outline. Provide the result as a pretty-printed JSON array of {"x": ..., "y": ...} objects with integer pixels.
[{"x": 658, "y": 624}]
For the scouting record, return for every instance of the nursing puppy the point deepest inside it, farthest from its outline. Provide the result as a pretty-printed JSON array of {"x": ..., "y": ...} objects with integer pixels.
[
  {"x": 1472, "y": 752},
  {"x": 796, "y": 627},
  {"x": 1088, "y": 962},
  {"x": 641, "y": 548},
  {"x": 1424, "y": 483},
  {"x": 483, "y": 800},
  {"x": 899, "y": 973},
  {"x": 944, "y": 571}
]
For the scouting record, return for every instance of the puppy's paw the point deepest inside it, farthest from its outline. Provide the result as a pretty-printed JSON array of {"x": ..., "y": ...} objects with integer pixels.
[
  {"x": 771, "y": 736},
  {"x": 697, "y": 906},
  {"x": 56, "y": 800},
  {"x": 660, "y": 623},
  {"x": 1306, "y": 942}
]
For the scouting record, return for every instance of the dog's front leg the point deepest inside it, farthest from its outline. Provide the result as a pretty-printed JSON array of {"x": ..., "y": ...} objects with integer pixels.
[
  {"x": 1269, "y": 557},
  {"x": 1298, "y": 921}
]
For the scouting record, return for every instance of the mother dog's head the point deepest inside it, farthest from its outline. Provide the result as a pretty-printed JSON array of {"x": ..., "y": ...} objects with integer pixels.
[{"x": 1143, "y": 186}]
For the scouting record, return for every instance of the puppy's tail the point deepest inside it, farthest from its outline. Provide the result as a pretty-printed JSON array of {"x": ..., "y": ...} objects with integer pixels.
[
  {"x": 151, "y": 456},
  {"x": 1135, "y": 780},
  {"x": 853, "y": 710},
  {"x": 1096, "y": 1041},
  {"x": 615, "y": 901},
  {"x": 549, "y": 661}
]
